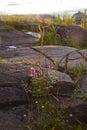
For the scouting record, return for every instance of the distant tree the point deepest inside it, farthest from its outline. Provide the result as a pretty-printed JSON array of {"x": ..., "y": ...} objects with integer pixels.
[{"x": 78, "y": 17}]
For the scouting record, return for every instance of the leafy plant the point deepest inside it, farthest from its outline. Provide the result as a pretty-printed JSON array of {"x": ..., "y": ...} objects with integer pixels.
[
  {"x": 78, "y": 72},
  {"x": 9, "y": 27},
  {"x": 50, "y": 38},
  {"x": 58, "y": 20},
  {"x": 85, "y": 97},
  {"x": 49, "y": 115},
  {"x": 84, "y": 20},
  {"x": 75, "y": 93},
  {"x": 68, "y": 20}
]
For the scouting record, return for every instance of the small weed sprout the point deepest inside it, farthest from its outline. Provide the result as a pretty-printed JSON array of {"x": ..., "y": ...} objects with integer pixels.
[
  {"x": 75, "y": 93},
  {"x": 85, "y": 97}
]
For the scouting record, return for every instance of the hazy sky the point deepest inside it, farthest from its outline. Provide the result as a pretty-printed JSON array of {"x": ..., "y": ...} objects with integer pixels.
[{"x": 40, "y": 6}]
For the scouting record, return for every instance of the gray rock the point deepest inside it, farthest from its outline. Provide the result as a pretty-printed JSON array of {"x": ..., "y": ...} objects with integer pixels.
[
  {"x": 14, "y": 73},
  {"x": 75, "y": 114},
  {"x": 83, "y": 84},
  {"x": 12, "y": 95},
  {"x": 72, "y": 35},
  {"x": 58, "y": 53},
  {"x": 15, "y": 38},
  {"x": 63, "y": 85},
  {"x": 13, "y": 118},
  {"x": 77, "y": 58},
  {"x": 12, "y": 80}
]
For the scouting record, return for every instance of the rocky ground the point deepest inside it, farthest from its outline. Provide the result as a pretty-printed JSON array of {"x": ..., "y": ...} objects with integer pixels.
[{"x": 17, "y": 52}]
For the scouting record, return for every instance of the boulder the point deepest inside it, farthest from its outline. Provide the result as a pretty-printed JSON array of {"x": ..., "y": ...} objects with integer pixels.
[
  {"x": 75, "y": 59},
  {"x": 63, "y": 85},
  {"x": 15, "y": 38},
  {"x": 72, "y": 35},
  {"x": 73, "y": 102}
]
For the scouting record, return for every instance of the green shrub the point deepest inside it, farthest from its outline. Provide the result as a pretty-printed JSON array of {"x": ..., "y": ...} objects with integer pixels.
[
  {"x": 58, "y": 20},
  {"x": 8, "y": 27},
  {"x": 68, "y": 20}
]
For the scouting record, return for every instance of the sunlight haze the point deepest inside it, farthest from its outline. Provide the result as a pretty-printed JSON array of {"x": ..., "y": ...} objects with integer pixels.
[{"x": 40, "y": 6}]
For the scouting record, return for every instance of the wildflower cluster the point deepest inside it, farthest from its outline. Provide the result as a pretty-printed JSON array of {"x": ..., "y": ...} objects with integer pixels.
[
  {"x": 39, "y": 71},
  {"x": 48, "y": 114},
  {"x": 41, "y": 81}
]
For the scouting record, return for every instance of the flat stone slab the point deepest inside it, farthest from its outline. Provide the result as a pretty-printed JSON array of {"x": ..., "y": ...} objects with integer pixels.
[
  {"x": 13, "y": 73},
  {"x": 39, "y": 54},
  {"x": 15, "y": 38},
  {"x": 13, "y": 118},
  {"x": 12, "y": 96},
  {"x": 12, "y": 80},
  {"x": 60, "y": 53}
]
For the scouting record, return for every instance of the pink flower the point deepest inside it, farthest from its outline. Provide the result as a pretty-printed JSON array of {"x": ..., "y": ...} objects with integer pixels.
[
  {"x": 33, "y": 71},
  {"x": 50, "y": 67},
  {"x": 43, "y": 74}
]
